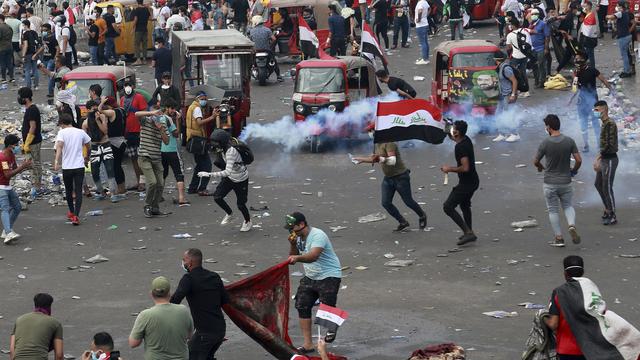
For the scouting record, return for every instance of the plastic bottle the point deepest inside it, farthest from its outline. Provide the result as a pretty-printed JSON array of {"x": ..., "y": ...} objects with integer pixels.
[
  {"x": 56, "y": 180},
  {"x": 95, "y": 213}
]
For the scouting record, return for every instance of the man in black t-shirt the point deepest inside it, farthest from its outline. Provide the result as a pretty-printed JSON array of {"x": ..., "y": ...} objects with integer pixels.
[
  {"x": 468, "y": 182},
  {"x": 48, "y": 51},
  {"x": 141, "y": 16},
  {"x": 92, "y": 40},
  {"x": 240, "y": 8},
  {"x": 31, "y": 136},
  {"x": 29, "y": 49},
  {"x": 625, "y": 22},
  {"x": 396, "y": 84},
  {"x": 162, "y": 60},
  {"x": 381, "y": 21},
  {"x": 111, "y": 35}
]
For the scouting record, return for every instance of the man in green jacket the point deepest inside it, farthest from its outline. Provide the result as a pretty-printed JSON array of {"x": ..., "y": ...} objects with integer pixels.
[{"x": 607, "y": 162}]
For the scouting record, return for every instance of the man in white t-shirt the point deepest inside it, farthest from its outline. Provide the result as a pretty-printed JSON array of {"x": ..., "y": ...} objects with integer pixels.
[
  {"x": 163, "y": 14},
  {"x": 421, "y": 19},
  {"x": 72, "y": 154},
  {"x": 517, "y": 49},
  {"x": 63, "y": 34}
]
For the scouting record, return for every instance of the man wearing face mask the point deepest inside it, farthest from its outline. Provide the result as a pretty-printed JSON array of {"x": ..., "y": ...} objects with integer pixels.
[
  {"x": 165, "y": 91},
  {"x": 132, "y": 102},
  {"x": 195, "y": 124},
  {"x": 607, "y": 162},
  {"x": 101, "y": 348},
  {"x": 589, "y": 31},
  {"x": 468, "y": 182},
  {"x": 35, "y": 334},
  {"x": 557, "y": 149},
  {"x": 32, "y": 137},
  {"x": 540, "y": 35},
  {"x": 625, "y": 22},
  {"x": 48, "y": 51},
  {"x": 585, "y": 79},
  {"x": 206, "y": 295},
  {"x": 322, "y": 273},
  {"x": 235, "y": 176},
  {"x": 162, "y": 60},
  {"x": 9, "y": 201}
]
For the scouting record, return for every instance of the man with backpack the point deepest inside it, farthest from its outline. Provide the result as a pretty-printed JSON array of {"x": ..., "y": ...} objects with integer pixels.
[
  {"x": 235, "y": 175},
  {"x": 30, "y": 45},
  {"x": 519, "y": 45},
  {"x": 508, "y": 81}
]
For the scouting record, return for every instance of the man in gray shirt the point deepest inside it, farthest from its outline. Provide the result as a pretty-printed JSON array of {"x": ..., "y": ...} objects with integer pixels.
[
  {"x": 557, "y": 150},
  {"x": 262, "y": 38}
]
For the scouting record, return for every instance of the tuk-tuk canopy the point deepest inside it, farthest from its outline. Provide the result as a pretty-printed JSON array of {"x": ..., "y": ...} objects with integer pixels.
[
  {"x": 454, "y": 46},
  {"x": 96, "y": 72},
  {"x": 350, "y": 63},
  {"x": 212, "y": 41}
]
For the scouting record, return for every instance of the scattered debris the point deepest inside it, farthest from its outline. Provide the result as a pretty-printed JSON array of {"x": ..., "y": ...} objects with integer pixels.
[
  {"x": 361, "y": 268},
  {"x": 95, "y": 213},
  {"x": 22, "y": 276},
  {"x": 524, "y": 224},
  {"x": 399, "y": 263},
  {"x": 96, "y": 259},
  {"x": 521, "y": 166},
  {"x": 112, "y": 227},
  {"x": 372, "y": 218},
  {"x": 337, "y": 228},
  {"x": 75, "y": 297},
  {"x": 389, "y": 256},
  {"x": 630, "y": 256},
  {"x": 139, "y": 247},
  {"x": 499, "y": 314},
  {"x": 529, "y": 305},
  {"x": 182, "y": 236}
]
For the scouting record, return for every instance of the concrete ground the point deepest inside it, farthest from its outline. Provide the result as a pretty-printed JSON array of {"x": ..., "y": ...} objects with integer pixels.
[{"x": 393, "y": 311}]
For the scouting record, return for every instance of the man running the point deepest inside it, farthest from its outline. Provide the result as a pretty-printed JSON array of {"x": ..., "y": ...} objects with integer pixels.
[{"x": 468, "y": 182}]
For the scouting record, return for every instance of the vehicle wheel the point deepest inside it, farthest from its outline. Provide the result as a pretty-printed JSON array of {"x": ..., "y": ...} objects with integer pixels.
[
  {"x": 262, "y": 76},
  {"x": 314, "y": 144}
]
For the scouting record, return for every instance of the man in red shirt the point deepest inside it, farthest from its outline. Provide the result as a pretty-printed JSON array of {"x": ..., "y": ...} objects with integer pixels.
[
  {"x": 132, "y": 102},
  {"x": 566, "y": 344},
  {"x": 9, "y": 201}
]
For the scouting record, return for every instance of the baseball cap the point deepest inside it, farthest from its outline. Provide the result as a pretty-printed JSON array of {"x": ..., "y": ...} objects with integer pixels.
[
  {"x": 294, "y": 219},
  {"x": 160, "y": 286},
  {"x": 201, "y": 93}
]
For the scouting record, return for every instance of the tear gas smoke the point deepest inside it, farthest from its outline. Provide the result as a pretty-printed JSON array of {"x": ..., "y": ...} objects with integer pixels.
[{"x": 293, "y": 134}]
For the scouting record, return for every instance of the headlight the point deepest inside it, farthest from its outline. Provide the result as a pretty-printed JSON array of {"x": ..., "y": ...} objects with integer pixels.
[
  {"x": 332, "y": 108},
  {"x": 299, "y": 109}
]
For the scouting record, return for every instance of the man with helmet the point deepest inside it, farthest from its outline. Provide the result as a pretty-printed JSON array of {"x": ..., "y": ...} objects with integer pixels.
[
  {"x": 262, "y": 38},
  {"x": 235, "y": 176}
]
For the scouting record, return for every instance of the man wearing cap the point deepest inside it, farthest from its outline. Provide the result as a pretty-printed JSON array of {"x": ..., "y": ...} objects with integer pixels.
[
  {"x": 206, "y": 295},
  {"x": 195, "y": 124},
  {"x": 311, "y": 247},
  {"x": 262, "y": 37},
  {"x": 165, "y": 327}
]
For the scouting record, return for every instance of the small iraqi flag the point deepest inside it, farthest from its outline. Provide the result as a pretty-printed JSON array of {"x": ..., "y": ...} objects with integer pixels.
[
  {"x": 369, "y": 47},
  {"x": 409, "y": 119},
  {"x": 330, "y": 317}
]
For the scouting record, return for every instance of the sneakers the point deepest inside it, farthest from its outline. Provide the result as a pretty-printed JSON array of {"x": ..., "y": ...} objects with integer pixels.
[
  {"x": 402, "y": 226},
  {"x": 574, "y": 235},
  {"x": 147, "y": 212},
  {"x": 512, "y": 138},
  {"x": 115, "y": 198},
  {"x": 525, "y": 94},
  {"x": 99, "y": 196},
  {"x": 585, "y": 149},
  {"x": 246, "y": 226},
  {"x": 610, "y": 220},
  {"x": 11, "y": 237},
  {"x": 422, "y": 62},
  {"x": 226, "y": 219},
  {"x": 70, "y": 215},
  {"x": 75, "y": 220},
  {"x": 467, "y": 238},
  {"x": 499, "y": 138},
  {"x": 625, "y": 75},
  {"x": 280, "y": 79},
  {"x": 557, "y": 243},
  {"x": 422, "y": 221}
]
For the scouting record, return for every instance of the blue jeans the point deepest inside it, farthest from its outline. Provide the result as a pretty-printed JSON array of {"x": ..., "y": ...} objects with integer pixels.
[
  {"x": 456, "y": 27},
  {"x": 157, "y": 34},
  {"x": 423, "y": 36},
  {"x": 6, "y": 63},
  {"x": 540, "y": 69},
  {"x": 623, "y": 46},
  {"x": 557, "y": 195},
  {"x": 586, "y": 100},
  {"x": 93, "y": 50},
  {"x": 401, "y": 184},
  {"x": 30, "y": 69},
  {"x": 10, "y": 207},
  {"x": 109, "y": 49},
  {"x": 51, "y": 66},
  {"x": 400, "y": 23}
]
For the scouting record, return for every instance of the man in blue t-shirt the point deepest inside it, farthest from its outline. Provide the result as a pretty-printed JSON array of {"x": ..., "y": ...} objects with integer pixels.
[
  {"x": 322, "y": 273},
  {"x": 337, "y": 33},
  {"x": 540, "y": 35}
]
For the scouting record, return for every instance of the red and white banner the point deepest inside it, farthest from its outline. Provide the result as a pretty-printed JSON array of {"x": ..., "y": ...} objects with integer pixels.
[{"x": 409, "y": 119}]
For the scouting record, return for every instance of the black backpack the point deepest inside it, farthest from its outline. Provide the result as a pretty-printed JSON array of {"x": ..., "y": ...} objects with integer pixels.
[
  {"x": 523, "y": 85},
  {"x": 245, "y": 152}
]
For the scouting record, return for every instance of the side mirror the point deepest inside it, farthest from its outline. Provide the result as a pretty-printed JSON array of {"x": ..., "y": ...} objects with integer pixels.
[{"x": 292, "y": 72}]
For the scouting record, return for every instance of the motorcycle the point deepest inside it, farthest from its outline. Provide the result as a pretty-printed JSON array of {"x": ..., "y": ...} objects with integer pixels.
[{"x": 263, "y": 67}]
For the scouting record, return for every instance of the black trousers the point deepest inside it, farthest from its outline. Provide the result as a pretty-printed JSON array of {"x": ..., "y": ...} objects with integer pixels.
[
  {"x": 381, "y": 29},
  {"x": 73, "y": 179},
  {"x": 460, "y": 196},
  {"x": 571, "y": 357},
  {"x": 204, "y": 346},
  {"x": 242, "y": 191},
  {"x": 338, "y": 47},
  {"x": 118, "y": 155}
]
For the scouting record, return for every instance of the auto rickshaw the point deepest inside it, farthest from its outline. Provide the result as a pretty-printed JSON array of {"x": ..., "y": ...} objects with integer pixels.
[
  {"x": 295, "y": 7},
  {"x": 125, "y": 42},
  {"x": 221, "y": 61},
  {"x": 332, "y": 84},
  {"x": 110, "y": 78},
  {"x": 465, "y": 81},
  {"x": 481, "y": 9}
]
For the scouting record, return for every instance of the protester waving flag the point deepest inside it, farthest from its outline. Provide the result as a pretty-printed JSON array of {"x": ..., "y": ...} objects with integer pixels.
[
  {"x": 309, "y": 43},
  {"x": 409, "y": 119},
  {"x": 369, "y": 47},
  {"x": 330, "y": 317}
]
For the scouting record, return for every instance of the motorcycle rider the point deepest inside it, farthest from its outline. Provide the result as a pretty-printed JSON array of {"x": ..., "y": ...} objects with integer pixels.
[{"x": 262, "y": 38}]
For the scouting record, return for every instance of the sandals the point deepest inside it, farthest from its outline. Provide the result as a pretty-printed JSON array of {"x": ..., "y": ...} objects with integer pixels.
[{"x": 303, "y": 351}]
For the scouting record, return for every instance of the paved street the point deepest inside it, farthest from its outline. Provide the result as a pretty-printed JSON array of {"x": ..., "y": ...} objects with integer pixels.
[{"x": 393, "y": 311}]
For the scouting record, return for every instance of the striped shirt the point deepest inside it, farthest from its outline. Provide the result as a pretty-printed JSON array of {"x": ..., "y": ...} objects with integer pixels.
[
  {"x": 235, "y": 169},
  {"x": 150, "y": 139}
]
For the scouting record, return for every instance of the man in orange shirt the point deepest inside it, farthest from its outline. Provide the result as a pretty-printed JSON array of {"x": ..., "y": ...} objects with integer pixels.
[{"x": 102, "y": 27}]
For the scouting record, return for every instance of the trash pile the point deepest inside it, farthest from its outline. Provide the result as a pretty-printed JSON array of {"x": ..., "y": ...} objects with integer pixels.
[
  {"x": 624, "y": 112},
  {"x": 439, "y": 352}
]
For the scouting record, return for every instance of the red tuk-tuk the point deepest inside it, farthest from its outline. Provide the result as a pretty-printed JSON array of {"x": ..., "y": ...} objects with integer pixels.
[
  {"x": 481, "y": 9},
  {"x": 465, "y": 79},
  {"x": 222, "y": 62},
  {"x": 331, "y": 84}
]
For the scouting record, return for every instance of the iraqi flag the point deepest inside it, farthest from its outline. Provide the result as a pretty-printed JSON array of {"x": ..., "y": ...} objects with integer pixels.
[
  {"x": 600, "y": 333},
  {"x": 309, "y": 43},
  {"x": 369, "y": 47},
  {"x": 409, "y": 119},
  {"x": 330, "y": 317}
]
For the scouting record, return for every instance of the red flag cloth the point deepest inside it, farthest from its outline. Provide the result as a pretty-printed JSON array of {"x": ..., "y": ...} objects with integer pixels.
[{"x": 323, "y": 55}]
